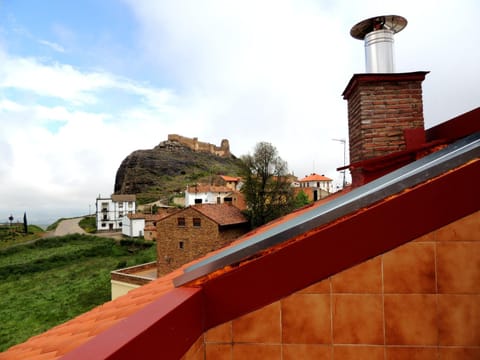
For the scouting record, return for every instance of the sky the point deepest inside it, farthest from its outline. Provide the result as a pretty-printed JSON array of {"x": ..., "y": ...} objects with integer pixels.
[{"x": 85, "y": 83}]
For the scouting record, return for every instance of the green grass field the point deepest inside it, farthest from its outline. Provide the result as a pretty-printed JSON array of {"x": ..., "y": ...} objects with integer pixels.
[
  {"x": 48, "y": 282},
  {"x": 11, "y": 235}
]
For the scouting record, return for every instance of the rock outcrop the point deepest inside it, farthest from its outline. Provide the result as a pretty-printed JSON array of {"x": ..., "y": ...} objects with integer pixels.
[{"x": 165, "y": 170}]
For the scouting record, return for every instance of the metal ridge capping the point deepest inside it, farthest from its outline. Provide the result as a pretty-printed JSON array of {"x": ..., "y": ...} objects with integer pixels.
[{"x": 408, "y": 176}]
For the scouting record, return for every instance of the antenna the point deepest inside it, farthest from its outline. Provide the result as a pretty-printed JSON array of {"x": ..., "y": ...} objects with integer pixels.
[
  {"x": 343, "y": 141},
  {"x": 377, "y": 32}
]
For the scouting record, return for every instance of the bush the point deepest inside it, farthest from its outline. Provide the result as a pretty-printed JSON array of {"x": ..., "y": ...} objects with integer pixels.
[{"x": 89, "y": 224}]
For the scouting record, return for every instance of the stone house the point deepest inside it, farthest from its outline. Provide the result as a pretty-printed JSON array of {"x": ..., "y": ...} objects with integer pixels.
[
  {"x": 194, "y": 231},
  {"x": 232, "y": 182}
]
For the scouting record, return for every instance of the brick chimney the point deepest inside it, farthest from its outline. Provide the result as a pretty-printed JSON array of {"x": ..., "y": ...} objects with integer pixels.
[
  {"x": 385, "y": 109},
  {"x": 385, "y": 113}
]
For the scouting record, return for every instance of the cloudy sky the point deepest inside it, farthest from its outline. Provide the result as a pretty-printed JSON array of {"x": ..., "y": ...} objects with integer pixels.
[{"x": 85, "y": 83}]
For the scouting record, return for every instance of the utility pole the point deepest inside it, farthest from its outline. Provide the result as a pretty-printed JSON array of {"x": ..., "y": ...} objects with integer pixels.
[{"x": 343, "y": 141}]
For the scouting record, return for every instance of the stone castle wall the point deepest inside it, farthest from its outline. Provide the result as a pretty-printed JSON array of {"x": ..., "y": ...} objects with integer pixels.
[{"x": 223, "y": 150}]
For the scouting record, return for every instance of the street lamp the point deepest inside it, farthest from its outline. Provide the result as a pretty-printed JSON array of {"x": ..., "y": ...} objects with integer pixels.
[{"x": 343, "y": 141}]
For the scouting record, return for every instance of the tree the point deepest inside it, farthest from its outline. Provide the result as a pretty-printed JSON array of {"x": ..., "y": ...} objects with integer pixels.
[
  {"x": 266, "y": 187},
  {"x": 301, "y": 199}
]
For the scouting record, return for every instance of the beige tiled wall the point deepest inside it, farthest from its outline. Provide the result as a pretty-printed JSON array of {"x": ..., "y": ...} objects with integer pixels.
[{"x": 419, "y": 301}]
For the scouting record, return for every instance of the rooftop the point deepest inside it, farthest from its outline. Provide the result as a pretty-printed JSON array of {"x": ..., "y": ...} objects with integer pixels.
[
  {"x": 161, "y": 315},
  {"x": 315, "y": 177},
  {"x": 222, "y": 214},
  {"x": 124, "y": 197}
]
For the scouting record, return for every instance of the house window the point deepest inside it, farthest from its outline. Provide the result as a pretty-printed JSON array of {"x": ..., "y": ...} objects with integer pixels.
[
  {"x": 130, "y": 204},
  {"x": 120, "y": 214},
  {"x": 198, "y": 201},
  {"x": 120, "y": 224},
  {"x": 181, "y": 245},
  {"x": 219, "y": 200},
  {"x": 120, "y": 205},
  {"x": 104, "y": 225},
  {"x": 181, "y": 221},
  {"x": 197, "y": 222},
  {"x": 104, "y": 207}
]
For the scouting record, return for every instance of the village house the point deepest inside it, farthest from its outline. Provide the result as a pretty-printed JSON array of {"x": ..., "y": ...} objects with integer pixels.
[
  {"x": 385, "y": 269},
  {"x": 232, "y": 182},
  {"x": 194, "y": 231},
  {"x": 112, "y": 212},
  {"x": 316, "y": 186},
  {"x": 142, "y": 225},
  {"x": 133, "y": 225},
  {"x": 214, "y": 194}
]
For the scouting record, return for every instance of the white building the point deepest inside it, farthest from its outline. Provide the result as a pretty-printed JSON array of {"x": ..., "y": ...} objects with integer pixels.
[
  {"x": 133, "y": 225},
  {"x": 112, "y": 212},
  {"x": 316, "y": 186},
  {"x": 207, "y": 194}
]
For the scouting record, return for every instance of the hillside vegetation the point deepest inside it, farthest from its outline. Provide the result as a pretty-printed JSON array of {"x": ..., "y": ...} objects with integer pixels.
[{"x": 52, "y": 280}]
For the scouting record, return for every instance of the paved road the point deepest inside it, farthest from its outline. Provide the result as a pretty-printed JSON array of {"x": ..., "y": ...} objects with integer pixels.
[{"x": 69, "y": 226}]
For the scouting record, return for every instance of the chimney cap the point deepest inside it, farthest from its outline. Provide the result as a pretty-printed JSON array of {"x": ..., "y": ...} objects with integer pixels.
[{"x": 393, "y": 23}]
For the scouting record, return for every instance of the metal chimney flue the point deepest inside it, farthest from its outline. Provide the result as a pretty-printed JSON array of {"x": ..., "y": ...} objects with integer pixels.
[{"x": 378, "y": 32}]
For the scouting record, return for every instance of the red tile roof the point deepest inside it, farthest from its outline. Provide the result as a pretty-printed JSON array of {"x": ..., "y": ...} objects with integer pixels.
[
  {"x": 222, "y": 214},
  {"x": 229, "y": 178},
  {"x": 315, "y": 177}
]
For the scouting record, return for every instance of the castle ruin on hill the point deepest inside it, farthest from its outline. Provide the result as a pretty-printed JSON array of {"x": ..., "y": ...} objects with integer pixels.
[{"x": 223, "y": 150}]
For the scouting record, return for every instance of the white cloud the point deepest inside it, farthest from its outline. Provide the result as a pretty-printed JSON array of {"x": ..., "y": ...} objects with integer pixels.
[
  {"x": 52, "y": 45},
  {"x": 57, "y": 80}
]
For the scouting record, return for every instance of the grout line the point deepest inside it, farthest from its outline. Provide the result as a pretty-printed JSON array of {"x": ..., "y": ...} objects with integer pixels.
[
  {"x": 383, "y": 308},
  {"x": 332, "y": 341}
]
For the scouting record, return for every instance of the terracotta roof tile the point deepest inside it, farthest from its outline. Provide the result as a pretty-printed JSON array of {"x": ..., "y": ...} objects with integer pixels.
[
  {"x": 315, "y": 177},
  {"x": 229, "y": 178},
  {"x": 222, "y": 214}
]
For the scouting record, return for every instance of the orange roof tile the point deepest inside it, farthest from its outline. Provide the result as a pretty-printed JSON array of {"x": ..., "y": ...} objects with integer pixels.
[
  {"x": 315, "y": 177},
  {"x": 229, "y": 178},
  {"x": 222, "y": 214}
]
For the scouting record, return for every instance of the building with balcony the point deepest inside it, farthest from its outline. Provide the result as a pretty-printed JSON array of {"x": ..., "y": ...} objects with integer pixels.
[{"x": 111, "y": 212}]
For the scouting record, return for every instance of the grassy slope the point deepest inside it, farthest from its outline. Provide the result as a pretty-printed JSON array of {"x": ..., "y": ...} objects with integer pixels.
[
  {"x": 56, "y": 279},
  {"x": 10, "y": 236}
]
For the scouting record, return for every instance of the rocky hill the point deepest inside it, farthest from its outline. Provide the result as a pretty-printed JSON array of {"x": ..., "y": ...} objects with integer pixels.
[{"x": 165, "y": 170}]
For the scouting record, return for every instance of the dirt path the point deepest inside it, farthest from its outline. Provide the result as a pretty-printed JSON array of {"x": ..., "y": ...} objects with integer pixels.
[{"x": 69, "y": 226}]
